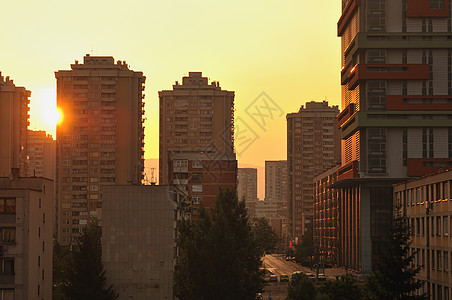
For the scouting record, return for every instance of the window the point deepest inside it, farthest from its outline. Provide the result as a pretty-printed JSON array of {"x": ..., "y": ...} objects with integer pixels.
[
  {"x": 436, "y": 4},
  {"x": 7, "y": 206},
  {"x": 8, "y": 235},
  {"x": 180, "y": 163},
  {"x": 196, "y": 200},
  {"x": 196, "y": 176},
  {"x": 7, "y": 265},
  {"x": 196, "y": 164},
  {"x": 196, "y": 188},
  {"x": 446, "y": 260},
  {"x": 433, "y": 259},
  {"x": 376, "y": 159},
  {"x": 438, "y": 226},
  {"x": 422, "y": 226},
  {"x": 445, "y": 225},
  {"x": 439, "y": 261},
  {"x": 418, "y": 225}
]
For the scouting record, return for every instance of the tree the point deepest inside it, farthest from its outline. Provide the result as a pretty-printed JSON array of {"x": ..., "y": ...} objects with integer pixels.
[
  {"x": 218, "y": 258},
  {"x": 264, "y": 236},
  {"x": 86, "y": 276},
  {"x": 301, "y": 288},
  {"x": 394, "y": 275},
  {"x": 305, "y": 249},
  {"x": 61, "y": 262},
  {"x": 343, "y": 288}
]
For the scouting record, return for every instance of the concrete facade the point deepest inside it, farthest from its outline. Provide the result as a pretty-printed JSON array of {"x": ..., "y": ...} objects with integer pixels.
[
  {"x": 327, "y": 227},
  {"x": 138, "y": 240},
  {"x": 41, "y": 154},
  {"x": 100, "y": 140},
  {"x": 14, "y": 120},
  {"x": 427, "y": 203},
  {"x": 396, "y": 109},
  {"x": 195, "y": 116},
  {"x": 312, "y": 147},
  {"x": 247, "y": 188},
  {"x": 26, "y": 229}
]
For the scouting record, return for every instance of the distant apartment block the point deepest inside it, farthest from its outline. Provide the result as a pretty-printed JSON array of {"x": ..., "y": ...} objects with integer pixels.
[
  {"x": 100, "y": 140},
  {"x": 200, "y": 175},
  {"x": 247, "y": 188},
  {"x": 312, "y": 147},
  {"x": 396, "y": 106},
  {"x": 195, "y": 116},
  {"x": 26, "y": 237},
  {"x": 138, "y": 244},
  {"x": 276, "y": 185},
  {"x": 14, "y": 120},
  {"x": 41, "y": 154},
  {"x": 427, "y": 203},
  {"x": 328, "y": 229}
]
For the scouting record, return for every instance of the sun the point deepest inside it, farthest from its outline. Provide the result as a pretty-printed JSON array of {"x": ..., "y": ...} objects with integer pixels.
[{"x": 56, "y": 116}]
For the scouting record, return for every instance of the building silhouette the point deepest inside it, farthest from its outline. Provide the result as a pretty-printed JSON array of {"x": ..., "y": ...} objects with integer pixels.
[
  {"x": 312, "y": 147},
  {"x": 396, "y": 111},
  {"x": 196, "y": 141},
  {"x": 14, "y": 121},
  {"x": 247, "y": 188},
  {"x": 41, "y": 154},
  {"x": 100, "y": 140}
]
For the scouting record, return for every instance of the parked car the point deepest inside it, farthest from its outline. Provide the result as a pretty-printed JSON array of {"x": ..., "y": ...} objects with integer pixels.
[
  {"x": 310, "y": 276},
  {"x": 284, "y": 278},
  {"x": 321, "y": 277},
  {"x": 294, "y": 276},
  {"x": 273, "y": 278}
]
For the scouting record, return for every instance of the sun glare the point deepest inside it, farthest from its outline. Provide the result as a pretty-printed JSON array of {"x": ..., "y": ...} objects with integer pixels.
[{"x": 56, "y": 116}]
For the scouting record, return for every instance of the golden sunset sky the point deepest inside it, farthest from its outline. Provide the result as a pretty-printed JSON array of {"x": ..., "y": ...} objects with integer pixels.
[{"x": 288, "y": 49}]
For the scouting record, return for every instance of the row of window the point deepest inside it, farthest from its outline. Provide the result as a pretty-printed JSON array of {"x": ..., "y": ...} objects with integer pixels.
[
  {"x": 438, "y": 225},
  {"x": 430, "y": 192}
]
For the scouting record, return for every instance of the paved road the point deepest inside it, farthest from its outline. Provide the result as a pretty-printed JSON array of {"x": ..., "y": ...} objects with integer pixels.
[{"x": 277, "y": 265}]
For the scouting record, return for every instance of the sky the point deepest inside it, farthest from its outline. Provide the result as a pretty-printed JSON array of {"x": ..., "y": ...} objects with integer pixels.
[{"x": 275, "y": 55}]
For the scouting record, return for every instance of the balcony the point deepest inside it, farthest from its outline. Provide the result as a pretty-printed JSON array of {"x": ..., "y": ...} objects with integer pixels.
[
  {"x": 387, "y": 72},
  {"x": 419, "y": 103},
  {"x": 348, "y": 171},
  {"x": 421, "y": 9},
  {"x": 423, "y": 166},
  {"x": 345, "y": 114},
  {"x": 347, "y": 15}
]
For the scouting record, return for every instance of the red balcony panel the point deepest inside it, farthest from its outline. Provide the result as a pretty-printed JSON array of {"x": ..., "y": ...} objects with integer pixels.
[
  {"x": 345, "y": 114},
  {"x": 386, "y": 72},
  {"x": 424, "y": 166},
  {"x": 347, "y": 15},
  {"x": 348, "y": 171},
  {"x": 421, "y": 9},
  {"x": 402, "y": 103}
]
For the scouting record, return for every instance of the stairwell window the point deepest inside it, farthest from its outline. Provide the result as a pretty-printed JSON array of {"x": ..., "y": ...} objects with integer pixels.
[{"x": 436, "y": 4}]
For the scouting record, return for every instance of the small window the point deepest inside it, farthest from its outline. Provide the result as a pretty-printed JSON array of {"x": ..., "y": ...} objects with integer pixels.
[
  {"x": 196, "y": 188},
  {"x": 445, "y": 225},
  {"x": 196, "y": 164}
]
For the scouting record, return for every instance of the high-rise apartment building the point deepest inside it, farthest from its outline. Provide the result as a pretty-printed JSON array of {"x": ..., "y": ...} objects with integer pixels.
[
  {"x": 14, "y": 120},
  {"x": 195, "y": 117},
  {"x": 312, "y": 147},
  {"x": 396, "y": 109},
  {"x": 426, "y": 202},
  {"x": 247, "y": 188},
  {"x": 100, "y": 140},
  {"x": 276, "y": 185},
  {"x": 41, "y": 154}
]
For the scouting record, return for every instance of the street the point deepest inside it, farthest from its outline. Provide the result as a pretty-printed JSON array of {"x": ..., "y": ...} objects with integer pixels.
[{"x": 278, "y": 266}]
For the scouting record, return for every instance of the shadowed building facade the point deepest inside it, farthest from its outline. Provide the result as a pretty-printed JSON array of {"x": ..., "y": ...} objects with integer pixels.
[
  {"x": 396, "y": 113},
  {"x": 14, "y": 121},
  {"x": 312, "y": 147},
  {"x": 100, "y": 140}
]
